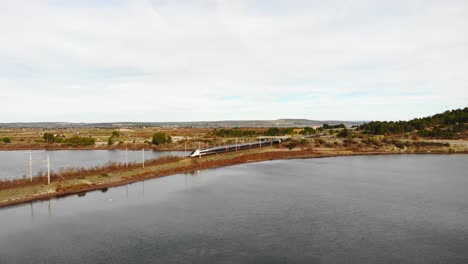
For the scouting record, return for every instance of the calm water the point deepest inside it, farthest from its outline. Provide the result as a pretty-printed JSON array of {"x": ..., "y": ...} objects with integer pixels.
[
  {"x": 380, "y": 209},
  {"x": 15, "y": 164}
]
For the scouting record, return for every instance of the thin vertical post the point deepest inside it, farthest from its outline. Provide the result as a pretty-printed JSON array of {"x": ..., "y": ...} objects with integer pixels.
[
  {"x": 30, "y": 166},
  {"x": 48, "y": 169},
  {"x": 143, "y": 157},
  {"x": 236, "y": 144},
  {"x": 199, "y": 150},
  {"x": 126, "y": 157},
  {"x": 185, "y": 149}
]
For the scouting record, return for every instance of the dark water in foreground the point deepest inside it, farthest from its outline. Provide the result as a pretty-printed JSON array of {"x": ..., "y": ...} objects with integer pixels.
[
  {"x": 15, "y": 164},
  {"x": 369, "y": 209}
]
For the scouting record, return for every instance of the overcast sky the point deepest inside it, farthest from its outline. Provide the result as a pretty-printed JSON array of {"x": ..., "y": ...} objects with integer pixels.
[{"x": 182, "y": 60}]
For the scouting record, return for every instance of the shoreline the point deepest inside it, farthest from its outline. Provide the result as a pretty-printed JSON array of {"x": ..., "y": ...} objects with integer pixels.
[
  {"x": 42, "y": 148},
  {"x": 94, "y": 182}
]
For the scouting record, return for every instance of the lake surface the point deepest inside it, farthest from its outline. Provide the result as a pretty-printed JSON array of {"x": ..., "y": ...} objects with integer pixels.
[
  {"x": 363, "y": 209},
  {"x": 15, "y": 164}
]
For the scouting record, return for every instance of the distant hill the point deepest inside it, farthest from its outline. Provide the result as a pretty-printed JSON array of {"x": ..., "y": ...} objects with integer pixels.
[{"x": 196, "y": 124}]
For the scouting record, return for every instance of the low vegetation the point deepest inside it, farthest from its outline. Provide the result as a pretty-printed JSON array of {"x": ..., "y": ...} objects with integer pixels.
[
  {"x": 447, "y": 125},
  {"x": 276, "y": 131},
  {"x": 327, "y": 126},
  {"x": 308, "y": 131},
  {"x": 80, "y": 141},
  {"x": 235, "y": 132},
  {"x": 73, "y": 141},
  {"x": 161, "y": 138},
  {"x": 80, "y": 173}
]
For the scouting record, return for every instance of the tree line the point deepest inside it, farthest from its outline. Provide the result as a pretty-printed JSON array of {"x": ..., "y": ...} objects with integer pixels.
[
  {"x": 71, "y": 141},
  {"x": 444, "y": 125},
  {"x": 272, "y": 131}
]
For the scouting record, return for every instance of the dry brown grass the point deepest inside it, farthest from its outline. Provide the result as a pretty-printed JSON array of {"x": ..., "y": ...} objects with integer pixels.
[{"x": 78, "y": 173}]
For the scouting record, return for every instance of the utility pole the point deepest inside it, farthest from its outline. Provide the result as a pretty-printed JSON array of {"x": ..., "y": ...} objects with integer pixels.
[
  {"x": 48, "y": 169},
  {"x": 126, "y": 157},
  {"x": 30, "y": 166},
  {"x": 199, "y": 150},
  {"x": 143, "y": 156}
]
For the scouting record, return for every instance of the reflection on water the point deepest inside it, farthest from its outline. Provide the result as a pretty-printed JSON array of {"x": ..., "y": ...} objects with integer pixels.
[
  {"x": 15, "y": 164},
  {"x": 369, "y": 209}
]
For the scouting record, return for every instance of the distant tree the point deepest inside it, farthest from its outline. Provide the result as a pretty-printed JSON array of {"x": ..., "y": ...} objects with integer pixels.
[
  {"x": 308, "y": 131},
  {"x": 161, "y": 138},
  {"x": 110, "y": 141},
  {"x": 6, "y": 140},
  {"x": 115, "y": 134},
  {"x": 49, "y": 137},
  {"x": 235, "y": 132},
  {"x": 327, "y": 126},
  {"x": 275, "y": 131},
  {"x": 344, "y": 133}
]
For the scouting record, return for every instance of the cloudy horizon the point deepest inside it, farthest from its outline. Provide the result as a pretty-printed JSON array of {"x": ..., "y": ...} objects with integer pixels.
[{"x": 206, "y": 60}]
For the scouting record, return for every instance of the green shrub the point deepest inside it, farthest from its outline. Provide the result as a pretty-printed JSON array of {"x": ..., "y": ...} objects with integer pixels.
[
  {"x": 49, "y": 137},
  {"x": 344, "y": 133},
  {"x": 327, "y": 126},
  {"x": 161, "y": 138},
  {"x": 308, "y": 131},
  {"x": 80, "y": 141},
  {"x": 399, "y": 144},
  {"x": 291, "y": 145},
  {"x": 276, "y": 131},
  {"x": 319, "y": 141}
]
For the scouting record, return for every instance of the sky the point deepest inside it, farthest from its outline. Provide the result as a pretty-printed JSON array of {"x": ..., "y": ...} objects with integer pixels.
[{"x": 181, "y": 60}]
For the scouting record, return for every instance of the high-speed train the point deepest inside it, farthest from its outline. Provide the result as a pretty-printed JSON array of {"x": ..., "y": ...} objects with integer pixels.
[{"x": 222, "y": 149}]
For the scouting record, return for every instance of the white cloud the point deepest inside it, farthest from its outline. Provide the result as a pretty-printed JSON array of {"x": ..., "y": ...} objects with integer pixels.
[{"x": 177, "y": 60}]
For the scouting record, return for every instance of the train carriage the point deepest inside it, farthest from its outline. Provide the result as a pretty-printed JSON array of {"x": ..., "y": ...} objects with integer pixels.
[{"x": 229, "y": 148}]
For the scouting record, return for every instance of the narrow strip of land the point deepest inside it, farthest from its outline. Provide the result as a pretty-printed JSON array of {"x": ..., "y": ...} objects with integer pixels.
[{"x": 121, "y": 176}]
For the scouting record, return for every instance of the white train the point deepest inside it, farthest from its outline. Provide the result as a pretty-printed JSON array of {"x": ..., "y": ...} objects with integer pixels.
[{"x": 228, "y": 148}]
